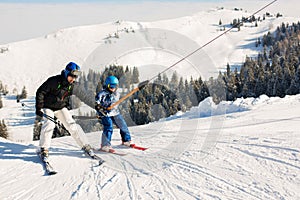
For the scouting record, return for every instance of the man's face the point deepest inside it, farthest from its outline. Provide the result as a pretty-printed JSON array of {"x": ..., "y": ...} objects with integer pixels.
[{"x": 71, "y": 78}]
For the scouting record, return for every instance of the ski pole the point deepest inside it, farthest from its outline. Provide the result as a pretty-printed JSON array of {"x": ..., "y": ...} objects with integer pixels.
[
  {"x": 86, "y": 117},
  {"x": 185, "y": 57},
  {"x": 56, "y": 122},
  {"x": 53, "y": 119}
]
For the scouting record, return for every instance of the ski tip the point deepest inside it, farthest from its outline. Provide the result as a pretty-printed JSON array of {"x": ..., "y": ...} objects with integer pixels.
[
  {"x": 138, "y": 147},
  {"x": 52, "y": 173},
  {"x": 101, "y": 162}
]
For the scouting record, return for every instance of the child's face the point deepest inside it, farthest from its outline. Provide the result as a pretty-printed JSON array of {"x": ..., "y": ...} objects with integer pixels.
[{"x": 112, "y": 89}]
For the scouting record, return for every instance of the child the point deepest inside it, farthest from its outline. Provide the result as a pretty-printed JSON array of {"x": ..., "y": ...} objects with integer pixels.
[{"x": 105, "y": 98}]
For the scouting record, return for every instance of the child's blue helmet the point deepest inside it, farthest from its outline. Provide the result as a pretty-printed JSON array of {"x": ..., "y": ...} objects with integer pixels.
[
  {"x": 111, "y": 82},
  {"x": 72, "y": 69}
]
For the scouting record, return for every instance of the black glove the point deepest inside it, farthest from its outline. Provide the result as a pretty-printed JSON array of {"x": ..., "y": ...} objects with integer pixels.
[
  {"x": 39, "y": 112},
  {"x": 143, "y": 84},
  {"x": 101, "y": 109}
]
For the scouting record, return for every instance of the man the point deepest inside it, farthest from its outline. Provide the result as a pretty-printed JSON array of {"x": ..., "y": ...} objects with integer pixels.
[
  {"x": 53, "y": 98},
  {"x": 105, "y": 98}
]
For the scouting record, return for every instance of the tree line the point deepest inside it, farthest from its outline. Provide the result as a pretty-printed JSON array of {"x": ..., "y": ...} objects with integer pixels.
[{"x": 274, "y": 72}]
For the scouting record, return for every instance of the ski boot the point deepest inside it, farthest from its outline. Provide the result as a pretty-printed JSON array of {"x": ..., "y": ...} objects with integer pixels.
[
  {"x": 44, "y": 154},
  {"x": 107, "y": 149},
  {"x": 88, "y": 150},
  {"x": 127, "y": 143}
]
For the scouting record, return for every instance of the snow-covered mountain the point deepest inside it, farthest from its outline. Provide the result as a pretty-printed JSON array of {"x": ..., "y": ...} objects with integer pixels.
[
  {"x": 151, "y": 46},
  {"x": 246, "y": 149}
]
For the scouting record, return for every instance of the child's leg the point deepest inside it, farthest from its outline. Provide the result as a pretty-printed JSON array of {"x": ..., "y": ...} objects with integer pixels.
[
  {"x": 107, "y": 131},
  {"x": 121, "y": 124}
]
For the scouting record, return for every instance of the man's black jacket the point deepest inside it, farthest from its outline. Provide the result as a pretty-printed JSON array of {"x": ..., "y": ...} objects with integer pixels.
[{"x": 55, "y": 92}]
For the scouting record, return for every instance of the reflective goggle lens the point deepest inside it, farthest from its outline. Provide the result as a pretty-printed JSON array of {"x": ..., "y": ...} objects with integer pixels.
[
  {"x": 75, "y": 73},
  {"x": 112, "y": 86}
]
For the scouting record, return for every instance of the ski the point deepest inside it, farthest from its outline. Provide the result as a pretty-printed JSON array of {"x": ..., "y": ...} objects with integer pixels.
[
  {"x": 114, "y": 152},
  {"x": 49, "y": 170},
  {"x": 134, "y": 146},
  {"x": 89, "y": 151},
  {"x": 95, "y": 157}
]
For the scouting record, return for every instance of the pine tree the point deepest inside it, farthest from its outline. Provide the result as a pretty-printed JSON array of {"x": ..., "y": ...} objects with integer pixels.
[
  {"x": 191, "y": 92},
  {"x": 24, "y": 93},
  {"x": 1, "y": 103},
  {"x": 1, "y": 87},
  {"x": 158, "y": 112},
  {"x": 135, "y": 75},
  {"x": 3, "y": 130},
  {"x": 295, "y": 84},
  {"x": 37, "y": 128},
  {"x": 181, "y": 89},
  {"x": 165, "y": 80},
  {"x": 158, "y": 80}
]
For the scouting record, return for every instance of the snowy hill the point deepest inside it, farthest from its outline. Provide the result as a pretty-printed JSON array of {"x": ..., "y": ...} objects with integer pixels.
[
  {"x": 151, "y": 46},
  {"x": 252, "y": 152}
]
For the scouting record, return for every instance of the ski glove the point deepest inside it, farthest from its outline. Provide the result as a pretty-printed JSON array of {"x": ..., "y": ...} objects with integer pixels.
[
  {"x": 101, "y": 109},
  {"x": 39, "y": 112},
  {"x": 143, "y": 84}
]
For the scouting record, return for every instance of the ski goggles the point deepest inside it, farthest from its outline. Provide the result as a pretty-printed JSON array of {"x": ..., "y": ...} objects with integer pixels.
[
  {"x": 112, "y": 86},
  {"x": 74, "y": 73}
]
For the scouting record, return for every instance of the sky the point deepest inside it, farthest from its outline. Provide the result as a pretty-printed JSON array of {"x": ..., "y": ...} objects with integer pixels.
[
  {"x": 102, "y": 1},
  {"x": 30, "y": 20}
]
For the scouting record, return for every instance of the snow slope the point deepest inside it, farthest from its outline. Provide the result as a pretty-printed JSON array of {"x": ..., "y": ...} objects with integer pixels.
[{"x": 251, "y": 152}]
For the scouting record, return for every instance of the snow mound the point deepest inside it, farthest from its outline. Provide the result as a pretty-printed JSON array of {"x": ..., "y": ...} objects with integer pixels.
[{"x": 208, "y": 108}]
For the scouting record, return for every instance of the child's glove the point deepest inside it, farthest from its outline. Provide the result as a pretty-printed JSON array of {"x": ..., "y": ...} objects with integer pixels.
[{"x": 101, "y": 109}]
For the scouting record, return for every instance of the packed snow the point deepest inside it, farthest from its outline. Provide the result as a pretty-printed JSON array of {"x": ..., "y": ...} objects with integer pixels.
[{"x": 249, "y": 152}]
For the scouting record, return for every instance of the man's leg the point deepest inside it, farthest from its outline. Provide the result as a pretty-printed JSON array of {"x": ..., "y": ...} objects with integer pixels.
[
  {"x": 75, "y": 130},
  {"x": 47, "y": 130}
]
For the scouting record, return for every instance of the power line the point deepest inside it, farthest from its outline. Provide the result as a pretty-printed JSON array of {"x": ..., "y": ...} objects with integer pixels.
[
  {"x": 210, "y": 41},
  {"x": 142, "y": 84}
]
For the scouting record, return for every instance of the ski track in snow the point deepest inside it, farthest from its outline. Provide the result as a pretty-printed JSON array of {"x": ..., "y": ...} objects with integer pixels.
[{"x": 253, "y": 154}]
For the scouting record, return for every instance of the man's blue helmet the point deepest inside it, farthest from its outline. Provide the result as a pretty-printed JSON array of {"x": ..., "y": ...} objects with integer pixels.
[
  {"x": 111, "y": 82},
  {"x": 72, "y": 69}
]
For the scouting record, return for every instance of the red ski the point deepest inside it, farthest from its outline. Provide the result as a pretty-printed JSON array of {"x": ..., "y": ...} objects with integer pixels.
[{"x": 134, "y": 146}]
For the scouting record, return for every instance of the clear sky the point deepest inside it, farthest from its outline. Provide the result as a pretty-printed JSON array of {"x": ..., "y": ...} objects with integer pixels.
[
  {"x": 102, "y": 1},
  {"x": 26, "y": 19}
]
